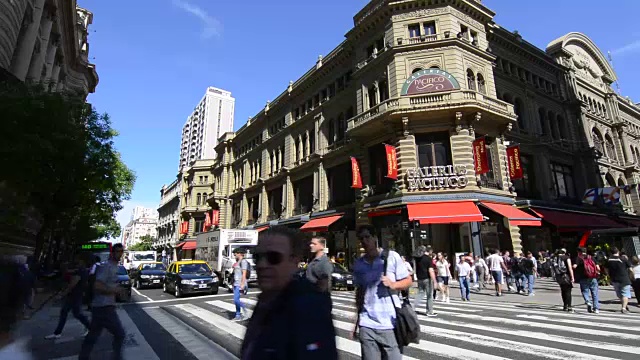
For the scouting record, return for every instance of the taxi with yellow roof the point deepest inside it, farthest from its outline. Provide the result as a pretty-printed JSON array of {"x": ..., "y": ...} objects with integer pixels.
[{"x": 190, "y": 277}]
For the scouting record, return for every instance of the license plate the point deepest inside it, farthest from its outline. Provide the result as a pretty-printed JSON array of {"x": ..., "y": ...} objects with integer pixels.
[
  {"x": 156, "y": 281},
  {"x": 202, "y": 286},
  {"x": 349, "y": 282}
]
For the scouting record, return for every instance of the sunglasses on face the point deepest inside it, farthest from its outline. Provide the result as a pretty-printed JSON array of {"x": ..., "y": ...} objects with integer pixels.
[{"x": 272, "y": 257}]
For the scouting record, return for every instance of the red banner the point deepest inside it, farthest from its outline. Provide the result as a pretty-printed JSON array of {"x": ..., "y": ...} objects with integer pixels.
[
  {"x": 184, "y": 227},
  {"x": 215, "y": 217},
  {"x": 480, "y": 156},
  {"x": 207, "y": 222},
  {"x": 356, "y": 179},
  {"x": 515, "y": 165},
  {"x": 392, "y": 162}
]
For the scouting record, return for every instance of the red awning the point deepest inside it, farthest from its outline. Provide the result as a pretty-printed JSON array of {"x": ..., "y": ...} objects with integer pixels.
[
  {"x": 188, "y": 245},
  {"x": 515, "y": 215},
  {"x": 574, "y": 221},
  {"x": 262, "y": 228},
  {"x": 445, "y": 212},
  {"x": 384, "y": 212},
  {"x": 320, "y": 224}
]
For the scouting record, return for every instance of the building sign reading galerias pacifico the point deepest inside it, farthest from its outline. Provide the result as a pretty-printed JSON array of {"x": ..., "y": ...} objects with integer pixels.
[{"x": 436, "y": 177}]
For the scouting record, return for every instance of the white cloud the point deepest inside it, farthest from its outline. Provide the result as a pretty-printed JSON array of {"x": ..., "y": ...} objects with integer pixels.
[
  {"x": 631, "y": 47},
  {"x": 212, "y": 27}
]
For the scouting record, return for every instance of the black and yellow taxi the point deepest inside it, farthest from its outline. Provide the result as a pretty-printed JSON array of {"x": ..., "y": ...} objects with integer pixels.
[
  {"x": 190, "y": 277},
  {"x": 148, "y": 275}
]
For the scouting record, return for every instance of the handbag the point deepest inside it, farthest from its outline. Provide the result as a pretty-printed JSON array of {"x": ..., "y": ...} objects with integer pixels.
[{"x": 407, "y": 327}]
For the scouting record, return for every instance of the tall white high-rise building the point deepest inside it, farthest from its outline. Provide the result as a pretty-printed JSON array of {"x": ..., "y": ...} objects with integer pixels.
[
  {"x": 212, "y": 117},
  {"x": 143, "y": 212},
  {"x": 144, "y": 221}
]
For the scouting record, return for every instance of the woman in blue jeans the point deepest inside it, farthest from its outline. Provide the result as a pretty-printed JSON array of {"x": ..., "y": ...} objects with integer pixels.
[{"x": 464, "y": 269}]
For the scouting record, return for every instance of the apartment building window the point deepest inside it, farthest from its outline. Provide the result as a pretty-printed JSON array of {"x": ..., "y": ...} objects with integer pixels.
[
  {"x": 305, "y": 149},
  {"x": 378, "y": 170},
  {"x": 303, "y": 195},
  {"x": 323, "y": 95},
  {"x": 331, "y": 132},
  {"x": 370, "y": 51},
  {"x": 204, "y": 198},
  {"x": 380, "y": 44},
  {"x": 518, "y": 109},
  {"x": 433, "y": 149},
  {"x": 372, "y": 96},
  {"x": 525, "y": 187},
  {"x": 481, "y": 84},
  {"x": 471, "y": 80},
  {"x": 332, "y": 89},
  {"x": 430, "y": 28},
  {"x": 236, "y": 212},
  {"x": 296, "y": 113},
  {"x": 316, "y": 100},
  {"x": 339, "y": 180},
  {"x": 464, "y": 32},
  {"x": 309, "y": 106},
  {"x": 312, "y": 142},
  {"x": 414, "y": 30},
  {"x": 274, "y": 197},
  {"x": 563, "y": 185},
  {"x": 297, "y": 148},
  {"x": 383, "y": 90},
  {"x": 342, "y": 127},
  {"x": 198, "y": 199},
  {"x": 490, "y": 179},
  {"x": 199, "y": 225},
  {"x": 254, "y": 210},
  {"x": 542, "y": 117}
]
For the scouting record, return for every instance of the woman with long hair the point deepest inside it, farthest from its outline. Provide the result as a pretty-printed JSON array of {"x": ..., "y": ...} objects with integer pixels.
[{"x": 444, "y": 274}]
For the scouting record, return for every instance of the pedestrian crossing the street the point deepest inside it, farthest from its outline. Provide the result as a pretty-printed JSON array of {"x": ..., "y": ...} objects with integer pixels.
[{"x": 481, "y": 329}]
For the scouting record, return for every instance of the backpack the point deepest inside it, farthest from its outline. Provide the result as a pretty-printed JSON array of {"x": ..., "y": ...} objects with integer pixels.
[
  {"x": 590, "y": 270},
  {"x": 516, "y": 265},
  {"x": 559, "y": 270},
  {"x": 407, "y": 327},
  {"x": 249, "y": 268}
]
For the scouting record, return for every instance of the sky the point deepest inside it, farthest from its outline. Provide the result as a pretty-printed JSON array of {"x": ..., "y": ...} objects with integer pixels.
[{"x": 155, "y": 59}]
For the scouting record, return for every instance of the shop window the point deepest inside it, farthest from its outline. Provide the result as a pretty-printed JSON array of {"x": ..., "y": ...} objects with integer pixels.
[
  {"x": 491, "y": 179},
  {"x": 525, "y": 187},
  {"x": 433, "y": 149},
  {"x": 563, "y": 185}
]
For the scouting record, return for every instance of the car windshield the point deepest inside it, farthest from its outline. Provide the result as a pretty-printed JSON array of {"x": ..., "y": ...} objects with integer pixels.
[
  {"x": 153, "y": 267},
  {"x": 338, "y": 268},
  {"x": 142, "y": 257},
  {"x": 194, "y": 269},
  {"x": 122, "y": 270}
]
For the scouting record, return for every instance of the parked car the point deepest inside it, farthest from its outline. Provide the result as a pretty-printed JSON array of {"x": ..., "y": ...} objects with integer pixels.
[
  {"x": 148, "y": 275},
  {"x": 125, "y": 282},
  {"x": 190, "y": 277},
  {"x": 341, "y": 278}
]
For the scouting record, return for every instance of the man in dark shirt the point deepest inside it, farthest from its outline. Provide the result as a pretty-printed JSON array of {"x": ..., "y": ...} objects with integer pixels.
[
  {"x": 292, "y": 320},
  {"x": 618, "y": 269},
  {"x": 426, "y": 277},
  {"x": 320, "y": 268},
  {"x": 72, "y": 296}
]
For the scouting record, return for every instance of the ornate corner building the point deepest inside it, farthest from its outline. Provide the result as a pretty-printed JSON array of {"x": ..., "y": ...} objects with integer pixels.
[
  {"x": 428, "y": 79},
  {"x": 45, "y": 41}
]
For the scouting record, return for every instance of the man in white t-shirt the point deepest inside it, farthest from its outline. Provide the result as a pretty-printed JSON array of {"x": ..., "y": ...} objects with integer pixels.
[
  {"x": 497, "y": 268},
  {"x": 464, "y": 272}
]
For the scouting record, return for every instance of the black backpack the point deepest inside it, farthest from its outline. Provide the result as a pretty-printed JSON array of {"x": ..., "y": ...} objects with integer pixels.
[
  {"x": 249, "y": 268},
  {"x": 407, "y": 327}
]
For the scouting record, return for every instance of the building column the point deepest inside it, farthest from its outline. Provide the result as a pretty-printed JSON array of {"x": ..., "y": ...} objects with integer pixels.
[
  {"x": 35, "y": 69},
  {"x": 514, "y": 234},
  {"x": 264, "y": 205},
  {"x": 24, "y": 50},
  {"x": 406, "y": 154},
  {"x": 288, "y": 198},
  {"x": 51, "y": 57},
  {"x": 323, "y": 188},
  {"x": 244, "y": 211},
  {"x": 55, "y": 74},
  {"x": 622, "y": 146},
  {"x": 12, "y": 15},
  {"x": 307, "y": 144},
  {"x": 462, "y": 138}
]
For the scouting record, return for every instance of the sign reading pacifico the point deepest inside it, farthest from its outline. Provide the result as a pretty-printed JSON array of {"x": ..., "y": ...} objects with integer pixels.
[
  {"x": 429, "y": 81},
  {"x": 437, "y": 177}
]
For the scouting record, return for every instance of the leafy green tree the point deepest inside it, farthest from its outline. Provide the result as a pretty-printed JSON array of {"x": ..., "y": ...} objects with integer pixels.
[
  {"x": 145, "y": 244},
  {"x": 58, "y": 161}
]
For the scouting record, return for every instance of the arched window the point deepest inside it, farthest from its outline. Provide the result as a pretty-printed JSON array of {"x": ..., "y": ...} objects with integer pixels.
[
  {"x": 611, "y": 149},
  {"x": 272, "y": 164},
  {"x": 416, "y": 70},
  {"x": 542, "y": 118},
  {"x": 518, "y": 108},
  {"x": 609, "y": 179},
  {"x": 597, "y": 141},
  {"x": 481, "y": 85},
  {"x": 331, "y": 132},
  {"x": 297, "y": 148},
  {"x": 198, "y": 198},
  {"x": 204, "y": 198},
  {"x": 304, "y": 146},
  {"x": 471, "y": 80},
  {"x": 435, "y": 67}
]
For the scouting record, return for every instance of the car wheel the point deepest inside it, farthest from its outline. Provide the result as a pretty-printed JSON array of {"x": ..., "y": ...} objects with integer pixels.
[
  {"x": 177, "y": 293},
  {"x": 214, "y": 290}
]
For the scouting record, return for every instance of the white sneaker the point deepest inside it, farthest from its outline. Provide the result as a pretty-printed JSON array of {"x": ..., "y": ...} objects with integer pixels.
[
  {"x": 52, "y": 336},
  {"x": 447, "y": 300}
]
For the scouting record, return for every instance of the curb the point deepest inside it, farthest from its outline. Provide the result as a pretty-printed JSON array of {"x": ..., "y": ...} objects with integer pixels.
[{"x": 43, "y": 304}]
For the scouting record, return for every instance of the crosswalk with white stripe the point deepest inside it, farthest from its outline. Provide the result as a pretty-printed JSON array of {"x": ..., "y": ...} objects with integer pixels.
[{"x": 468, "y": 330}]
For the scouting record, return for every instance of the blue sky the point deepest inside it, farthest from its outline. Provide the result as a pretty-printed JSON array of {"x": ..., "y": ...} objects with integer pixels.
[{"x": 155, "y": 59}]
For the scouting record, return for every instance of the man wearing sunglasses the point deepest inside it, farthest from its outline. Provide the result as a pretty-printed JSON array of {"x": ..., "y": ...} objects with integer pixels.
[
  {"x": 376, "y": 312},
  {"x": 292, "y": 320}
]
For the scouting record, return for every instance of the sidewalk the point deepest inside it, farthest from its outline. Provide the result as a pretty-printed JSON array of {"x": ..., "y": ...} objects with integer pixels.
[{"x": 547, "y": 294}]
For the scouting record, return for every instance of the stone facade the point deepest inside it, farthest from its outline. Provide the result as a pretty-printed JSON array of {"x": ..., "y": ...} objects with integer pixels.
[
  {"x": 195, "y": 185},
  {"x": 291, "y": 161},
  {"x": 169, "y": 215},
  {"x": 45, "y": 42}
]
